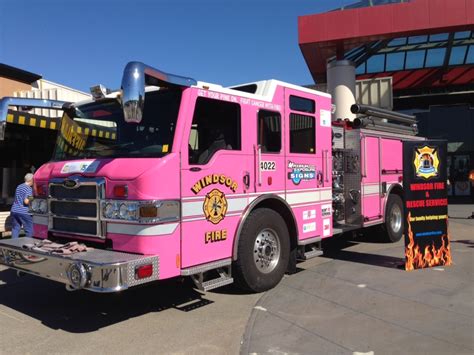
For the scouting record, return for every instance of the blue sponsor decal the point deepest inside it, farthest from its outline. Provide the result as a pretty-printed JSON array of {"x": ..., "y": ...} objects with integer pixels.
[{"x": 301, "y": 172}]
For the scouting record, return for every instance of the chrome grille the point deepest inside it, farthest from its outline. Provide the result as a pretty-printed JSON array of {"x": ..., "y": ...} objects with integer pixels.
[
  {"x": 83, "y": 192},
  {"x": 75, "y": 226},
  {"x": 76, "y": 210},
  {"x": 73, "y": 208}
]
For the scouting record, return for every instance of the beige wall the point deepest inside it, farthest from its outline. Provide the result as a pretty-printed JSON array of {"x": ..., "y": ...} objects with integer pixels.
[
  {"x": 44, "y": 89},
  {"x": 8, "y": 87}
]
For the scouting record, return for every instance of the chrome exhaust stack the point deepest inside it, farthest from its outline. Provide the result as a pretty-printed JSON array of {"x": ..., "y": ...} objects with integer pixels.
[{"x": 136, "y": 76}]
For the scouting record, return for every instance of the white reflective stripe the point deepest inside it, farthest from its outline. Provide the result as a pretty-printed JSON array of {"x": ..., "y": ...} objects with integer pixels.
[
  {"x": 389, "y": 184},
  {"x": 304, "y": 205},
  {"x": 252, "y": 198},
  {"x": 194, "y": 208},
  {"x": 370, "y": 189},
  {"x": 275, "y": 192},
  {"x": 202, "y": 218},
  {"x": 326, "y": 195},
  {"x": 43, "y": 220},
  {"x": 141, "y": 229},
  {"x": 194, "y": 219},
  {"x": 311, "y": 189},
  {"x": 193, "y": 205},
  {"x": 303, "y": 197},
  {"x": 236, "y": 204},
  {"x": 191, "y": 209}
]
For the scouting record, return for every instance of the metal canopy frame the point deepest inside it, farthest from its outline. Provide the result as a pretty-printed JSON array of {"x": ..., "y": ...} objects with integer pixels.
[
  {"x": 361, "y": 54},
  {"x": 26, "y": 102}
]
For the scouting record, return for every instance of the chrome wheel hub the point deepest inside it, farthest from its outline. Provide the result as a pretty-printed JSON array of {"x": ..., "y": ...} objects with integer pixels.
[
  {"x": 396, "y": 218},
  {"x": 266, "y": 251}
]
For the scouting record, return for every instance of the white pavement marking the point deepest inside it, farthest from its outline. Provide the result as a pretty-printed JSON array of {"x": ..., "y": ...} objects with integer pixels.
[
  {"x": 12, "y": 317},
  {"x": 260, "y": 308},
  {"x": 362, "y": 285}
]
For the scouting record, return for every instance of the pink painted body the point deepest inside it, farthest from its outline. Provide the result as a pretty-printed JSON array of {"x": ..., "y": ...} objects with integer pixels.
[
  {"x": 191, "y": 243},
  {"x": 381, "y": 164}
]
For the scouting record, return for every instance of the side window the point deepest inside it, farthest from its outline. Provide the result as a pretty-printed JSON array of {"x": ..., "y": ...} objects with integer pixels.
[
  {"x": 269, "y": 131},
  {"x": 302, "y": 134},
  {"x": 302, "y": 104},
  {"x": 193, "y": 138},
  {"x": 216, "y": 126}
]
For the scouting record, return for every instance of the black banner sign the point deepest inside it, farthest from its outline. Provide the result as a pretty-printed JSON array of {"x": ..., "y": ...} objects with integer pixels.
[{"x": 426, "y": 204}]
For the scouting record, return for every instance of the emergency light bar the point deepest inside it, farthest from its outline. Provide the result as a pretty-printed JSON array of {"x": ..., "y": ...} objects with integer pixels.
[{"x": 99, "y": 91}]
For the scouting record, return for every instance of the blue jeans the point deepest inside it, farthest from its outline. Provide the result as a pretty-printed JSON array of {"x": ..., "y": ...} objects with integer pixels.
[{"x": 20, "y": 219}]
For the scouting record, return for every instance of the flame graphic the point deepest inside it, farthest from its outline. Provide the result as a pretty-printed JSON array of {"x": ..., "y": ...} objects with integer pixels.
[{"x": 431, "y": 256}]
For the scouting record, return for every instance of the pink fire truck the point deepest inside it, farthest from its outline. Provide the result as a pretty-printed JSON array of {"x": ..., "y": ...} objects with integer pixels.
[{"x": 173, "y": 177}]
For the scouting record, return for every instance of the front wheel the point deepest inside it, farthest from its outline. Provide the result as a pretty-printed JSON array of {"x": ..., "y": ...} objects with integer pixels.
[
  {"x": 394, "y": 215},
  {"x": 263, "y": 251}
]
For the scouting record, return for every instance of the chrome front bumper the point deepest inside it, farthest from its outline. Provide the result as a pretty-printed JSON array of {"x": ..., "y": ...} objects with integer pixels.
[{"x": 95, "y": 270}]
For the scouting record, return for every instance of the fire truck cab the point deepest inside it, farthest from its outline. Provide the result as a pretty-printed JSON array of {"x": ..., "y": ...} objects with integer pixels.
[{"x": 172, "y": 177}]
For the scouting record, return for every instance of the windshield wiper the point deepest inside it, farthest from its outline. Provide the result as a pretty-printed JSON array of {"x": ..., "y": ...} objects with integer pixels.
[{"x": 108, "y": 147}]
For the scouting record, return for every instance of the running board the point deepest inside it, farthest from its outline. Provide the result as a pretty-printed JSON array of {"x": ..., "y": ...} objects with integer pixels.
[
  {"x": 206, "y": 267},
  {"x": 309, "y": 251},
  {"x": 224, "y": 278}
]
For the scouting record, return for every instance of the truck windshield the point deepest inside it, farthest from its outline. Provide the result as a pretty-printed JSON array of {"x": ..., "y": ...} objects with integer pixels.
[{"x": 98, "y": 129}]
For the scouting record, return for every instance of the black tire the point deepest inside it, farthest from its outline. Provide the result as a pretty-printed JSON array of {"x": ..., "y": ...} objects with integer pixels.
[
  {"x": 258, "y": 269},
  {"x": 394, "y": 224}
]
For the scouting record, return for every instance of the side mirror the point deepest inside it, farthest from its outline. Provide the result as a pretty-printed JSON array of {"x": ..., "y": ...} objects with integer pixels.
[{"x": 133, "y": 92}]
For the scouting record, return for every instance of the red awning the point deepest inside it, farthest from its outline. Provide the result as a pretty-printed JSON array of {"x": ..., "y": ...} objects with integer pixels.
[{"x": 323, "y": 36}]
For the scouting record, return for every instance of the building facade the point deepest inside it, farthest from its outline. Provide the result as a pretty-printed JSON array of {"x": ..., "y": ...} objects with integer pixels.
[
  {"x": 29, "y": 136},
  {"x": 426, "y": 47}
]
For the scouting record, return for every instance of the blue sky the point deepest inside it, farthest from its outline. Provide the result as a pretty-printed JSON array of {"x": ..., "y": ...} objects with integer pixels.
[{"x": 80, "y": 43}]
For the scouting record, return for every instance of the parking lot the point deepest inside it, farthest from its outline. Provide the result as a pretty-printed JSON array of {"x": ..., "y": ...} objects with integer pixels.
[{"x": 354, "y": 298}]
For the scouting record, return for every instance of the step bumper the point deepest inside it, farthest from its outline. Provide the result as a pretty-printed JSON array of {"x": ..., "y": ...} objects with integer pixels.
[{"x": 96, "y": 270}]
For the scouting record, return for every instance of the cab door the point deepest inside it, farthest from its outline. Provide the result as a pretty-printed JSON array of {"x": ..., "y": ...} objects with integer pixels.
[
  {"x": 269, "y": 154},
  {"x": 214, "y": 180},
  {"x": 308, "y": 162}
]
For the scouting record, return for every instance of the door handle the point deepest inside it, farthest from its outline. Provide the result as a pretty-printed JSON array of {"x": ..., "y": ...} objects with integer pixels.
[{"x": 246, "y": 180}]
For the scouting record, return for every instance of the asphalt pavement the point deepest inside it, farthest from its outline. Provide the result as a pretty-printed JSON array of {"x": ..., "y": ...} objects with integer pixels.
[
  {"x": 359, "y": 299},
  {"x": 355, "y": 298}
]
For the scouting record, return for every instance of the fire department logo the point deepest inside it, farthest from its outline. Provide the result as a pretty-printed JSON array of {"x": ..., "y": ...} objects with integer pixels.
[
  {"x": 215, "y": 206},
  {"x": 426, "y": 162}
]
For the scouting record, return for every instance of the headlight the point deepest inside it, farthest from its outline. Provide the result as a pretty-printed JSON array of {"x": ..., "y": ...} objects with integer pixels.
[
  {"x": 127, "y": 211},
  {"x": 35, "y": 205},
  {"x": 108, "y": 210},
  {"x": 43, "y": 206},
  {"x": 130, "y": 211},
  {"x": 39, "y": 205},
  {"x": 123, "y": 211},
  {"x": 141, "y": 211}
]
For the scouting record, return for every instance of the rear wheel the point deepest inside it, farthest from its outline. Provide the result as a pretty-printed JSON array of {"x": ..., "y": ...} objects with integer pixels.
[
  {"x": 393, "y": 226},
  {"x": 263, "y": 251}
]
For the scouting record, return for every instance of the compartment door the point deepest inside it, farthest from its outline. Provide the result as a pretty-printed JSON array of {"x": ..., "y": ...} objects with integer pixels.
[{"x": 371, "y": 184}]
